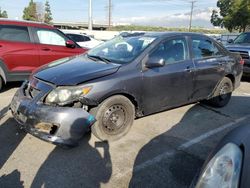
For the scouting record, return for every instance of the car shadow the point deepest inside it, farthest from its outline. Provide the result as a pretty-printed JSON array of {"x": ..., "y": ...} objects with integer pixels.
[
  {"x": 245, "y": 79},
  {"x": 10, "y": 86},
  {"x": 4, "y": 111},
  {"x": 10, "y": 137},
  {"x": 82, "y": 166},
  {"x": 11, "y": 180},
  {"x": 163, "y": 162}
]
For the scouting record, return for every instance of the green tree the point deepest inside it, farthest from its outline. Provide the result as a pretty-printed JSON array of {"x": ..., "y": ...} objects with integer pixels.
[
  {"x": 29, "y": 12},
  {"x": 48, "y": 14},
  {"x": 216, "y": 20},
  {"x": 3, "y": 14},
  {"x": 234, "y": 14}
]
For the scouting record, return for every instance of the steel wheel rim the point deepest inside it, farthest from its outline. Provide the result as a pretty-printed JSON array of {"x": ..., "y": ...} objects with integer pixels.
[
  {"x": 224, "y": 91},
  {"x": 114, "y": 119}
]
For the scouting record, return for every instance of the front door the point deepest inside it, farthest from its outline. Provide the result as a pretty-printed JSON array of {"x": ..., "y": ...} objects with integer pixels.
[{"x": 170, "y": 85}]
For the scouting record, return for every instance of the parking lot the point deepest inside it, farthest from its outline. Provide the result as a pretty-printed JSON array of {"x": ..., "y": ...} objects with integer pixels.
[{"x": 162, "y": 150}]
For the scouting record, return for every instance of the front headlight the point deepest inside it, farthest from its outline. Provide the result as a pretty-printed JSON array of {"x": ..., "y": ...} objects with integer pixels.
[
  {"x": 223, "y": 170},
  {"x": 62, "y": 95}
]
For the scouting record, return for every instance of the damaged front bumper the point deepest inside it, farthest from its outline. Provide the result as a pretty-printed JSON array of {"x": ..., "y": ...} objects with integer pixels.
[{"x": 58, "y": 125}]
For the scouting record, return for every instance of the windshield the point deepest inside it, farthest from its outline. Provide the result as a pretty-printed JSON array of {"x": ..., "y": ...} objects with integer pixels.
[
  {"x": 122, "y": 49},
  {"x": 242, "y": 38}
]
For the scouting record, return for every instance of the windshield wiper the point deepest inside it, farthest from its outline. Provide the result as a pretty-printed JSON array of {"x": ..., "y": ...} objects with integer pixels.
[{"x": 96, "y": 57}]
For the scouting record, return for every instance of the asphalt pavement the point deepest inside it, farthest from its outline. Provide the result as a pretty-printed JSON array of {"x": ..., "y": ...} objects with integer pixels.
[{"x": 166, "y": 149}]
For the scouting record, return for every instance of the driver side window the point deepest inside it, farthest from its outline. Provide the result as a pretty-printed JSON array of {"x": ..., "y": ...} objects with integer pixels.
[{"x": 172, "y": 51}]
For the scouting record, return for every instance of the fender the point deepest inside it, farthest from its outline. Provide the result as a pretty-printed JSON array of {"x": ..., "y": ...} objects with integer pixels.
[
  {"x": 230, "y": 76},
  {"x": 135, "y": 100}
]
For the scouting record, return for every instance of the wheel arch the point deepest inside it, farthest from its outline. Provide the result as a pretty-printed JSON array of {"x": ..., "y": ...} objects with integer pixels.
[
  {"x": 132, "y": 98},
  {"x": 232, "y": 78}
]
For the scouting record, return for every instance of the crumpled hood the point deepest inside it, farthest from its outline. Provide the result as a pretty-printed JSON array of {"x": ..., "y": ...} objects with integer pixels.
[{"x": 74, "y": 70}]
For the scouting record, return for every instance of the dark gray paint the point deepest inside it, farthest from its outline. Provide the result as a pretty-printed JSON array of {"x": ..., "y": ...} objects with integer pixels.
[{"x": 151, "y": 90}]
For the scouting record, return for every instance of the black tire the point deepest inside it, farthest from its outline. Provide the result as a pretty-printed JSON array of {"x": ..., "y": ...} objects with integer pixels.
[
  {"x": 1, "y": 83},
  {"x": 114, "y": 116},
  {"x": 222, "y": 93}
]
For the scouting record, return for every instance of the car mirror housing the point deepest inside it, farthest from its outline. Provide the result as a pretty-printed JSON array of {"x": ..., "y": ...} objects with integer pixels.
[
  {"x": 155, "y": 62},
  {"x": 70, "y": 44}
]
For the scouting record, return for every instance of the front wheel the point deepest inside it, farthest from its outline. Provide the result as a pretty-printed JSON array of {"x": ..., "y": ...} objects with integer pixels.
[
  {"x": 222, "y": 93},
  {"x": 114, "y": 117}
]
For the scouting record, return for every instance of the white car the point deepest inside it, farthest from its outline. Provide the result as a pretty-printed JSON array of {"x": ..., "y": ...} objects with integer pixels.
[{"x": 84, "y": 40}]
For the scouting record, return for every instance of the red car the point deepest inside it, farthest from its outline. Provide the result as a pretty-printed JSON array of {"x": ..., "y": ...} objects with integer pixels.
[{"x": 25, "y": 46}]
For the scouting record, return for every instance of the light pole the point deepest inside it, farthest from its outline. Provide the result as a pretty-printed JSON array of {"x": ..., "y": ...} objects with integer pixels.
[
  {"x": 90, "y": 15},
  {"x": 191, "y": 15},
  {"x": 110, "y": 14}
]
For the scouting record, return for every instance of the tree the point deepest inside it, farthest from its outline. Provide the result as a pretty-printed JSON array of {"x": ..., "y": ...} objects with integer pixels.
[
  {"x": 216, "y": 20},
  {"x": 40, "y": 11},
  {"x": 29, "y": 12},
  {"x": 3, "y": 14},
  {"x": 233, "y": 15},
  {"x": 47, "y": 15}
]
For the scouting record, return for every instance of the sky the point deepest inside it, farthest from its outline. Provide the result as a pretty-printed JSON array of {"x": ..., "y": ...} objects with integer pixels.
[{"x": 167, "y": 13}]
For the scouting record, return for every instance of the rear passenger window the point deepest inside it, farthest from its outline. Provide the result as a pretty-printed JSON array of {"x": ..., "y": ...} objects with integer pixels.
[
  {"x": 172, "y": 51},
  {"x": 204, "y": 48},
  {"x": 14, "y": 33}
]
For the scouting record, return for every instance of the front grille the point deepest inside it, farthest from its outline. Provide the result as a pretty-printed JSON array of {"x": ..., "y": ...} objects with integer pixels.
[{"x": 243, "y": 54}]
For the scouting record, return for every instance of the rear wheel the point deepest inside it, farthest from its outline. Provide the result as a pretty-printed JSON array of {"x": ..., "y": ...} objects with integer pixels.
[
  {"x": 114, "y": 117},
  {"x": 222, "y": 94}
]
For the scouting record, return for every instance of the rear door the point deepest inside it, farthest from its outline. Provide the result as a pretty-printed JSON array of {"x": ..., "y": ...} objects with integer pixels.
[
  {"x": 172, "y": 84},
  {"x": 51, "y": 44},
  {"x": 17, "y": 49},
  {"x": 210, "y": 63}
]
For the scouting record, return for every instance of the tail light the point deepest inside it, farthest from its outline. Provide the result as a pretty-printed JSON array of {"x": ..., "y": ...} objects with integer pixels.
[{"x": 242, "y": 62}]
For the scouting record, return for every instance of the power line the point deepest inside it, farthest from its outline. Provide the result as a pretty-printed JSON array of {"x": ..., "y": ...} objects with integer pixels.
[{"x": 191, "y": 15}]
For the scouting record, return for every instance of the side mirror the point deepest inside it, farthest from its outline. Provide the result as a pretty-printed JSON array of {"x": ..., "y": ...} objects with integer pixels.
[
  {"x": 70, "y": 44},
  {"x": 155, "y": 62},
  {"x": 230, "y": 41}
]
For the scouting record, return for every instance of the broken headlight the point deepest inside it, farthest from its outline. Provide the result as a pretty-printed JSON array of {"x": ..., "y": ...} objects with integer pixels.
[{"x": 65, "y": 95}]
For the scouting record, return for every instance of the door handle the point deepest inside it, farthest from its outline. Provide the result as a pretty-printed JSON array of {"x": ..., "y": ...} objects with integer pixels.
[
  {"x": 189, "y": 69},
  {"x": 46, "y": 49},
  {"x": 222, "y": 62}
]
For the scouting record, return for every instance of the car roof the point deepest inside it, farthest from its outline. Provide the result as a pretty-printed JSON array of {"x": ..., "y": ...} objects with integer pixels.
[
  {"x": 170, "y": 34},
  {"x": 25, "y": 23},
  {"x": 160, "y": 34}
]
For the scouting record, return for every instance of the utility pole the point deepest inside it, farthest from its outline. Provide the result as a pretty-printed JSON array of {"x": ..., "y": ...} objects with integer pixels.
[
  {"x": 110, "y": 14},
  {"x": 90, "y": 15},
  {"x": 191, "y": 15}
]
